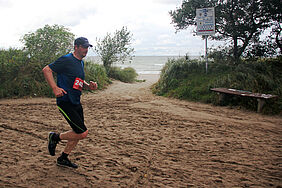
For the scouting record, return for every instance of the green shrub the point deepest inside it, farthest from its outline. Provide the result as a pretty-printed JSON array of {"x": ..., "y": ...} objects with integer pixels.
[
  {"x": 11, "y": 61},
  {"x": 97, "y": 73},
  {"x": 22, "y": 76},
  {"x": 181, "y": 74},
  {"x": 127, "y": 75}
]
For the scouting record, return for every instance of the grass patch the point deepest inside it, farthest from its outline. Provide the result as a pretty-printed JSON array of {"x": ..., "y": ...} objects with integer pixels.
[{"x": 97, "y": 73}]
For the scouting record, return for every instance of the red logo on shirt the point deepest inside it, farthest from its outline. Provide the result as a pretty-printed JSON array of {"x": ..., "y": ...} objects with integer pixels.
[{"x": 78, "y": 84}]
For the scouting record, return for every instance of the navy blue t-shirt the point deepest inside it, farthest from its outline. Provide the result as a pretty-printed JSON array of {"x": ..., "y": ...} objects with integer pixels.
[{"x": 68, "y": 69}]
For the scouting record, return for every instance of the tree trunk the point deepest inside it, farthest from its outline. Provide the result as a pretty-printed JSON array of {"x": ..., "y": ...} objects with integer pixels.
[
  {"x": 278, "y": 41},
  {"x": 235, "y": 48}
]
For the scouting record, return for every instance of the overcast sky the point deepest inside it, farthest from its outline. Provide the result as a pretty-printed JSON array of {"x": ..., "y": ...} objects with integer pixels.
[{"x": 147, "y": 20}]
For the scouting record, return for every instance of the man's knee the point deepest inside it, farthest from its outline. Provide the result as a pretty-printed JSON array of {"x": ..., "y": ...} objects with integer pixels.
[{"x": 83, "y": 135}]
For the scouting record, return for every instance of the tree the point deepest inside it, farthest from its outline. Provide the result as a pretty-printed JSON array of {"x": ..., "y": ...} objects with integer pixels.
[
  {"x": 114, "y": 48},
  {"x": 239, "y": 21},
  {"x": 274, "y": 8},
  {"x": 270, "y": 46},
  {"x": 48, "y": 43}
]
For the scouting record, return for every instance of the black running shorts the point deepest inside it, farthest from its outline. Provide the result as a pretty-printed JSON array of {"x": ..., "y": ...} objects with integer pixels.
[{"x": 74, "y": 116}]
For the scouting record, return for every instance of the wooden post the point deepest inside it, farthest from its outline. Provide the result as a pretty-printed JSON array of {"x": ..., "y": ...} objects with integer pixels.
[
  {"x": 206, "y": 52},
  {"x": 261, "y": 102}
]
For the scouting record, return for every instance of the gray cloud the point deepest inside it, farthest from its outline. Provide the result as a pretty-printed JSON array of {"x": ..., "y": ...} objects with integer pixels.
[{"x": 70, "y": 18}]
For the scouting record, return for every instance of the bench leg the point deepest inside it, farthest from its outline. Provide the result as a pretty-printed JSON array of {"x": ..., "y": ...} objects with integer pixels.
[
  {"x": 261, "y": 102},
  {"x": 221, "y": 98}
]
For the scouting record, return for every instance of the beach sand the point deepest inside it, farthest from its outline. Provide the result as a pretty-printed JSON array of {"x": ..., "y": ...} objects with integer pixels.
[{"x": 137, "y": 139}]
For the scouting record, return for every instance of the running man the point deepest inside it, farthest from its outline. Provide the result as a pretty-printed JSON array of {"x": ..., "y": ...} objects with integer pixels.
[{"x": 70, "y": 82}]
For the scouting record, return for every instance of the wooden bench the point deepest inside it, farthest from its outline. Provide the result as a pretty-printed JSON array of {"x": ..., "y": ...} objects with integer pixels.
[{"x": 260, "y": 97}]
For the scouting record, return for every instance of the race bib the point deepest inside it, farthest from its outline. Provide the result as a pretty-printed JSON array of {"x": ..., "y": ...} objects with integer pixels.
[{"x": 78, "y": 84}]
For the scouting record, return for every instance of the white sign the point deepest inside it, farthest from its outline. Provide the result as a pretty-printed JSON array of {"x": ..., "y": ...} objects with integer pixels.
[{"x": 205, "y": 21}]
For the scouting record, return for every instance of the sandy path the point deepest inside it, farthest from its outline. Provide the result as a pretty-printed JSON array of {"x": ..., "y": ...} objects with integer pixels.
[{"x": 140, "y": 140}]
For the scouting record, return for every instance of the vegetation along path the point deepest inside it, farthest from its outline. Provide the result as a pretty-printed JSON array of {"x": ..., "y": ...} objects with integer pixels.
[{"x": 137, "y": 139}]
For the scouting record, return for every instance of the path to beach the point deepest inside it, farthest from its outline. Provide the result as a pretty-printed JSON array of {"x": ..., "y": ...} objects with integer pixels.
[{"x": 137, "y": 139}]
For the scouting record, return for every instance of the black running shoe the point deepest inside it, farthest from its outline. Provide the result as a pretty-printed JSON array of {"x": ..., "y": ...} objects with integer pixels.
[
  {"x": 66, "y": 162},
  {"x": 52, "y": 143}
]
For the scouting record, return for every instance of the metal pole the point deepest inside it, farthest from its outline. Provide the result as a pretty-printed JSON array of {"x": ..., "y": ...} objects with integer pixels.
[{"x": 206, "y": 53}]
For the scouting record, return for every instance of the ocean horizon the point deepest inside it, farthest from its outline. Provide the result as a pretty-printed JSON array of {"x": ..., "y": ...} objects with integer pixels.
[{"x": 142, "y": 64}]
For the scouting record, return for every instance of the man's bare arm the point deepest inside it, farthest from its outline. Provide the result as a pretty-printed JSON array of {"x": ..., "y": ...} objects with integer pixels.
[
  {"x": 48, "y": 74},
  {"x": 91, "y": 86}
]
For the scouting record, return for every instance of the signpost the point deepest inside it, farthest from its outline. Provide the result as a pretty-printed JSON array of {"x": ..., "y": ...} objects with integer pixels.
[{"x": 205, "y": 26}]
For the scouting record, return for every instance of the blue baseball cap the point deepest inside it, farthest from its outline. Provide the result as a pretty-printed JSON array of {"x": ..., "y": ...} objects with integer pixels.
[{"x": 83, "y": 42}]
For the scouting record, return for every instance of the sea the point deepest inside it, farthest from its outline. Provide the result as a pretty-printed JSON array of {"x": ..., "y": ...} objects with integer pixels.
[{"x": 141, "y": 64}]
